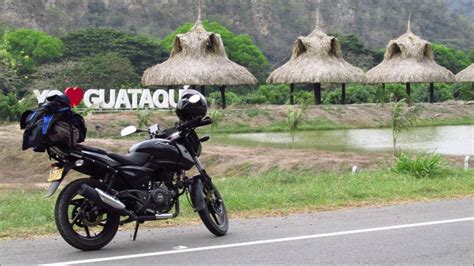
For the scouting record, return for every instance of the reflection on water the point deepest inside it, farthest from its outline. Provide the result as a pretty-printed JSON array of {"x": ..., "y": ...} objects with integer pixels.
[{"x": 451, "y": 140}]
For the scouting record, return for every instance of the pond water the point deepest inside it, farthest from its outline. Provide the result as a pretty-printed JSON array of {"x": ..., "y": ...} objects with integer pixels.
[{"x": 448, "y": 140}]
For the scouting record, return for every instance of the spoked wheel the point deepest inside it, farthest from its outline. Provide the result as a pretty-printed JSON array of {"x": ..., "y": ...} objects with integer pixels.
[
  {"x": 80, "y": 222},
  {"x": 214, "y": 216}
]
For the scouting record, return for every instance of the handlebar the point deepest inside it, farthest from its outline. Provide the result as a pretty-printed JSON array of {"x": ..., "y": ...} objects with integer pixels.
[{"x": 198, "y": 122}]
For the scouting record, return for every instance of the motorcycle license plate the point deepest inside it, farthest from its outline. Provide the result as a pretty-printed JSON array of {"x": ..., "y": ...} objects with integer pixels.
[{"x": 55, "y": 174}]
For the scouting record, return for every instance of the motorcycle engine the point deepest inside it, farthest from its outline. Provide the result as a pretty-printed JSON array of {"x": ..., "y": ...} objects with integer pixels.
[{"x": 161, "y": 198}]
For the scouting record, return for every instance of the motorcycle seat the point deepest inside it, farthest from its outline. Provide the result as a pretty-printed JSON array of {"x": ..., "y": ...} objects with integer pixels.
[
  {"x": 136, "y": 158},
  {"x": 91, "y": 149}
]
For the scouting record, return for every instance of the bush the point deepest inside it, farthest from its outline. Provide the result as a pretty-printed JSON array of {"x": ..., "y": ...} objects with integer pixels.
[
  {"x": 230, "y": 97},
  {"x": 275, "y": 94},
  {"x": 304, "y": 97},
  {"x": 442, "y": 92},
  {"x": 463, "y": 91},
  {"x": 421, "y": 166},
  {"x": 354, "y": 94},
  {"x": 253, "y": 98},
  {"x": 11, "y": 107}
]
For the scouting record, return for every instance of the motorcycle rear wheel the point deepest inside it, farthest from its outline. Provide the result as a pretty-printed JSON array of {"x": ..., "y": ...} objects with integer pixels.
[
  {"x": 80, "y": 222},
  {"x": 214, "y": 216}
]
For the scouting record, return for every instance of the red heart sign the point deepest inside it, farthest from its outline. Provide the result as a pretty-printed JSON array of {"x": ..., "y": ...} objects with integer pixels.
[{"x": 75, "y": 95}]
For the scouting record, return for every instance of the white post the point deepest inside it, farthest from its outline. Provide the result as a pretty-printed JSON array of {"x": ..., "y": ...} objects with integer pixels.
[
  {"x": 466, "y": 162},
  {"x": 355, "y": 169}
]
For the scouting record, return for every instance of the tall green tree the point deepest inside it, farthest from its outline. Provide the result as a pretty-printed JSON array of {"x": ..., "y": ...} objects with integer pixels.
[
  {"x": 471, "y": 56},
  {"x": 356, "y": 53},
  {"x": 452, "y": 59},
  {"x": 23, "y": 49},
  {"x": 239, "y": 48},
  {"x": 9, "y": 80},
  {"x": 142, "y": 52},
  {"x": 103, "y": 71}
]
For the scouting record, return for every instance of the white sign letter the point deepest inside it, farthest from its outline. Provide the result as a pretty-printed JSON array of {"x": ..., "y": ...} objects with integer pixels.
[
  {"x": 146, "y": 99},
  {"x": 122, "y": 99},
  {"x": 88, "y": 98},
  {"x": 156, "y": 99}
]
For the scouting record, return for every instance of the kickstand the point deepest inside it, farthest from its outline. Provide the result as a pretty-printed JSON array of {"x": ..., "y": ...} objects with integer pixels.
[{"x": 137, "y": 224}]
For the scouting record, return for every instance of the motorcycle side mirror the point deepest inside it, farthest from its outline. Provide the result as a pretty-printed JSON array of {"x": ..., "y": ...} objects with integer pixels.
[
  {"x": 154, "y": 129},
  {"x": 128, "y": 131}
]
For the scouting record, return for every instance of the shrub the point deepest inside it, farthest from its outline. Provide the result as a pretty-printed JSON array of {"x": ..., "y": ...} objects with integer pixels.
[
  {"x": 11, "y": 107},
  {"x": 216, "y": 117},
  {"x": 275, "y": 94},
  {"x": 295, "y": 118},
  {"x": 442, "y": 92},
  {"x": 304, "y": 97},
  {"x": 144, "y": 118},
  {"x": 421, "y": 166},
  {"x": 253, "y": 98},
  {"x": 464, "y": 92},
  {"x": 230, "y": 97},
  {"x": 402, "y": 118},
  {"x": 354, "y": 94}
]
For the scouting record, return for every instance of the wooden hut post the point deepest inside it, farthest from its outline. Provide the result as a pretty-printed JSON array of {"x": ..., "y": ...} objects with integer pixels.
[
  {"x": 222, "y": 89},
  {"x": 317, "y": 93},
  {"x": 431, "y": 92},
  {"x": 343, "y": 93},
  {"x": 383, "y": 93},
  {"x": 408, "y": 89},
  {"x": 292, "y": 92}
]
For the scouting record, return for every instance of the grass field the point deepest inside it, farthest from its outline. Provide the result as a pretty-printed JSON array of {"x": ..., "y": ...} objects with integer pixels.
[{"x": 25, "y": 213}]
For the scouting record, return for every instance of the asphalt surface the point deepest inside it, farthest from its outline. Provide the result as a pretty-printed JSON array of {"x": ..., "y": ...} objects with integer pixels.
[{"x": 429, "y": 233}]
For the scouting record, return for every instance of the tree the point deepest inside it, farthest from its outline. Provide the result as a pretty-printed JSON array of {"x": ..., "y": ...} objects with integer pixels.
[
  {"x": 103, "y": 71},
  {"x": 355, "y": 52},
  {"x": 9, "y": 80},
  {"x": 295, "y": 118},
  {"x": 402, "y": 119},
  {"x": 452, "y": 59},
  {"x": 142, "y": 52},
  {"x": 24, "y": 49},
  {"x": 11, "y": 107},
  {"x": 54, "y": 75},
  {"x": 239, "y": 48},
  {"x": 471, "y": 56}
]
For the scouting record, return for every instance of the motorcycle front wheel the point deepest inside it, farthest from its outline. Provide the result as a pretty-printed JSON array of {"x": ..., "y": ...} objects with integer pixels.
[
  {"x": 81, "y": 223},
  {"x": 214, "y": 216}
]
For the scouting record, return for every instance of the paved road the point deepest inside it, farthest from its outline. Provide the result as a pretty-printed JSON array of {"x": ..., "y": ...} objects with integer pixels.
[{"x": 434, "y": 232}]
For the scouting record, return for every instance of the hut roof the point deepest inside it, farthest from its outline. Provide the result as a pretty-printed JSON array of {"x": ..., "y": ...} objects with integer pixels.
[
  {"x": 467, "y": 75},
  {"x": 198, "y": 57},
  {"x": 409, "y": 59},
  {"x": 317, "y": 58}
]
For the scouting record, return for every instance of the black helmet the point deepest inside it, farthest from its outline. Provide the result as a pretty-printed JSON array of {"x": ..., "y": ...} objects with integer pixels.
[{"x": 191, "y": 105}]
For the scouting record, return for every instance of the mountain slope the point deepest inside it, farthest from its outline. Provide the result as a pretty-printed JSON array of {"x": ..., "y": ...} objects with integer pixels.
[{"x": 273, "y": 24}]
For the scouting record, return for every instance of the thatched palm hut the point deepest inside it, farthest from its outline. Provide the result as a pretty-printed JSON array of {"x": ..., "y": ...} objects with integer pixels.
[
  {"x": 467, "y": 75},
  {"x": 198, "y": 57},
  {"x": 317, "y": 59},
  {"x": 409, "y": 59}
]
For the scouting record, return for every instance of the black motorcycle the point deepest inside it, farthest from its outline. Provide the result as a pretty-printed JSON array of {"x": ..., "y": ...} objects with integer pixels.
[{"x": 144, "y": 185}]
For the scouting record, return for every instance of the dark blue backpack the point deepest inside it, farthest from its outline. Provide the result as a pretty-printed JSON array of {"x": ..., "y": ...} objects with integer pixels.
[{"x": 42, "y": 123}]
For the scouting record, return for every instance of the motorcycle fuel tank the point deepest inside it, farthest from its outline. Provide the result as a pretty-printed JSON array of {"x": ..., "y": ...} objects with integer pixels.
[{"x": 165, "y": 152}]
